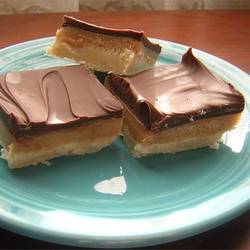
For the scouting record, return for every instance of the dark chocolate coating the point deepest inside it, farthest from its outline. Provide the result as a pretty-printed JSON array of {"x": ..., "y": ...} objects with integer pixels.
[
  {"x": 138, "y": 35},
  {"x": 44, "y": 99},
  {"x": 174, "y": 94},
  {"x": 101, "y": 76}
]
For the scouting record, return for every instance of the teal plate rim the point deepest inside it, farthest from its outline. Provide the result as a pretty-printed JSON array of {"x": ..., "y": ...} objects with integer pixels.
[{"x": 108, "y": 231}]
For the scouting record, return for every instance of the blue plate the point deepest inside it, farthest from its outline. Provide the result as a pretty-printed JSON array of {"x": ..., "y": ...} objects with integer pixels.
[{"x": 109, "y": 199}]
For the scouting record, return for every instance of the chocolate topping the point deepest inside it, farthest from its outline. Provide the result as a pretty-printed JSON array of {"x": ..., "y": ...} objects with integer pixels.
[
  {"x": 138, "y": 35},
  {"x": 171, "y": 95},
  {"x": 38, "y": 100}
]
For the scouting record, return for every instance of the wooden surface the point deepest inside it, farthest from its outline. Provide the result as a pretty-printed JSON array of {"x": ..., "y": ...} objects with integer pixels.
[{"x": 225, "y": 34}]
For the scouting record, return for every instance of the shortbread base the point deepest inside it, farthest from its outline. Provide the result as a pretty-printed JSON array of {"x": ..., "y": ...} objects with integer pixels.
[
  {"x": 87, "y": 138},
  {"x": 121, "y": 55}
]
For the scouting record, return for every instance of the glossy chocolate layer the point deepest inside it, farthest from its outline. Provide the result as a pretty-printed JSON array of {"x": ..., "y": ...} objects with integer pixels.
[
  {"x": 171, "y": 95},
  {"x": 38, "y": 100},
  {"x": 138, "y": 35}
]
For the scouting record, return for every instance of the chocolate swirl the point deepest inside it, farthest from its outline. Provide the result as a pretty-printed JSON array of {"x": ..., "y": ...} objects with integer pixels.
[
  {"x": 171, "y": 95},
  {"x": 38, "y": 100}
]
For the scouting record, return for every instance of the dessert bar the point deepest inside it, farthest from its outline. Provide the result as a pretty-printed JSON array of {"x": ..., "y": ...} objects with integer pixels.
[
  {"x": 121, "y": 51},
  {"x": 177, "y": 107},
  {"x": 53, "y": 112}
]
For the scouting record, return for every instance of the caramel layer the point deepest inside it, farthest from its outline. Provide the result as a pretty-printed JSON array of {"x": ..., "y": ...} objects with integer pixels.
[{"x": 138, "y": 35}]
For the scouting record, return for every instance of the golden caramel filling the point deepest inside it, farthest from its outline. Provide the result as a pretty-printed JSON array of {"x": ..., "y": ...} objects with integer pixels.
[
  {"x": 88, "y": 138},
  {"x": 79, "y": 38},
  {"x": 197, "y": 128}
]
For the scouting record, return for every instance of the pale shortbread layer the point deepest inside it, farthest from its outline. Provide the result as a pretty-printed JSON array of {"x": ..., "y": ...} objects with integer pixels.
[
  {"x": 196, "y": 134},
  {"x": 100, "y": 52},
  {"x": 87, "y": 138}
]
